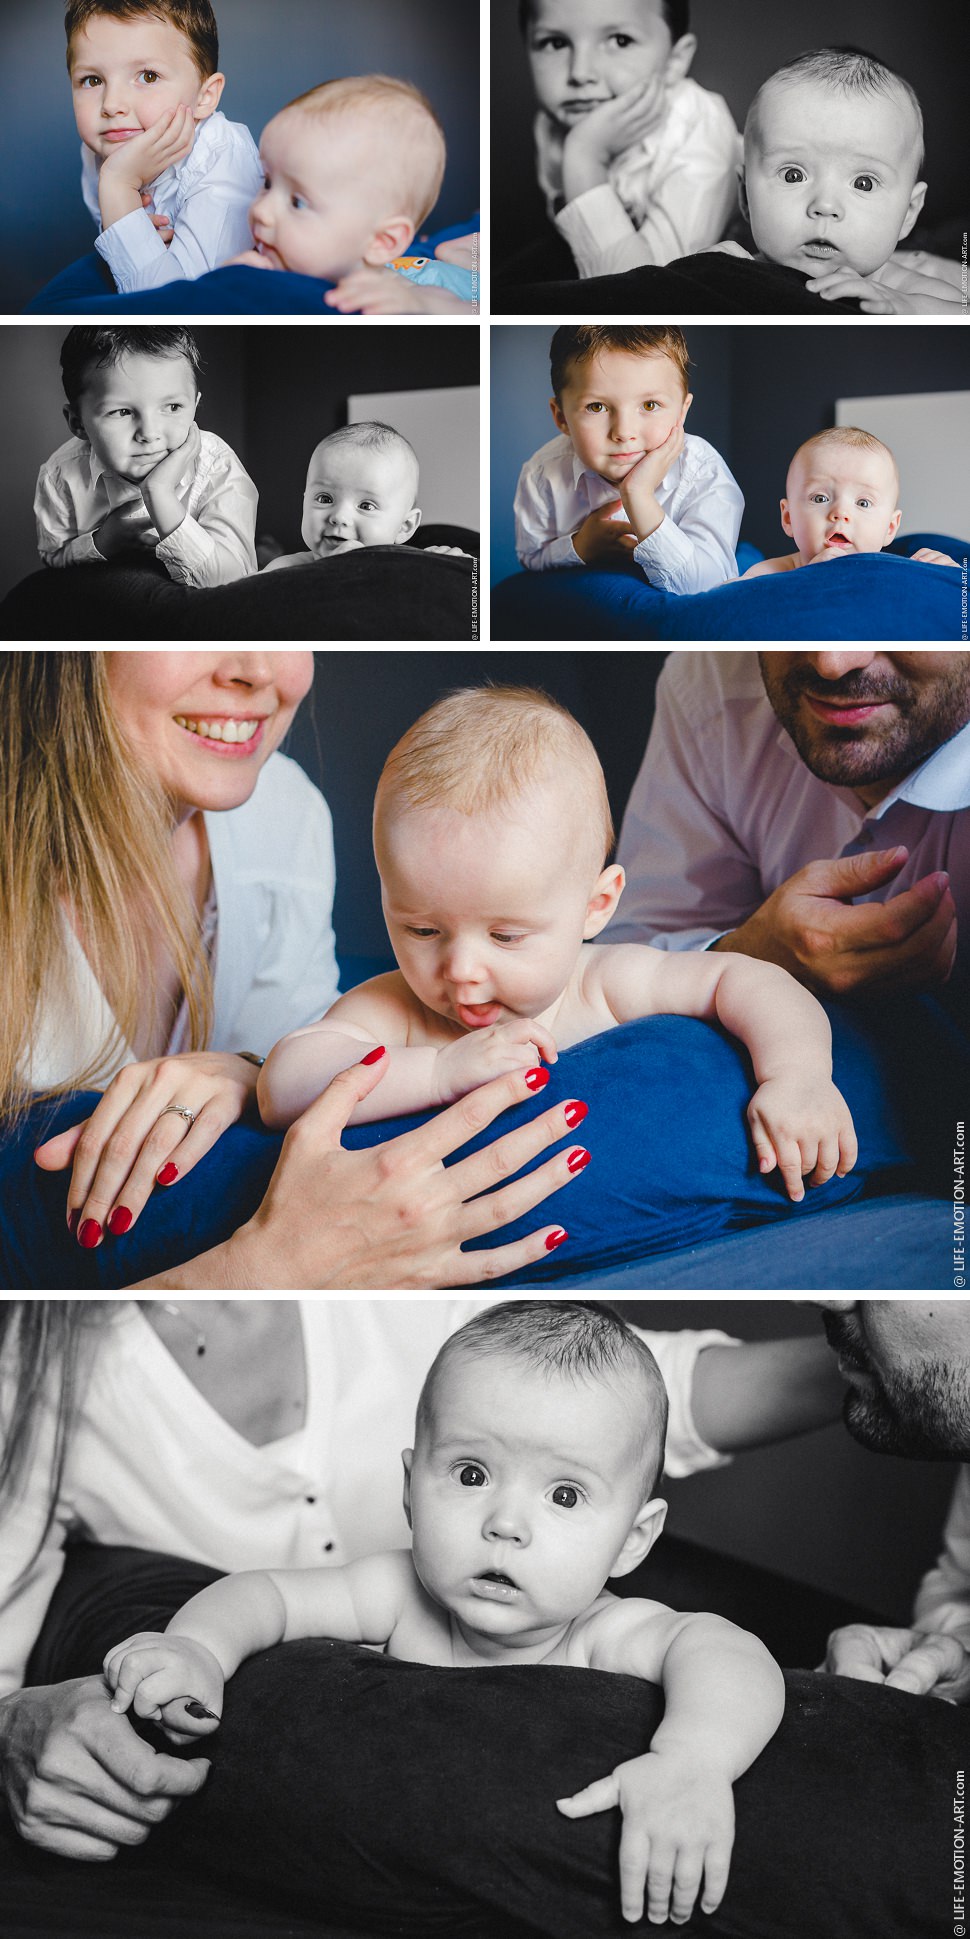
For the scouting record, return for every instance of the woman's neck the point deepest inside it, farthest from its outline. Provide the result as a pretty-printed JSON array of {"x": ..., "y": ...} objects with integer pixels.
[{"x": 251, "y": 1368}]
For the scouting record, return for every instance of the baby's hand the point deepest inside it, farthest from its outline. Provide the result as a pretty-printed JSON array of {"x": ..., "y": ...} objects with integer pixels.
[
  {"x": 614, "y": 126},
  {"x": 602, "y": 538},
  {"x": 170, "y": 1679},
  {"x": 516, "y": 1044},
  {"x": 896, "y": 289},
  {"x": 127, "y": 526},
  {"x": 678, "y": 1827},
  {"x": 146, "y": 156},
  {"x": 460, "y": 250},
  {"x": 931, "y": 558},
  {"x": 382, "y": 292},
  {"x": 252, "y": 258},
  {"x": 802, "y": 1125},
  {"x": 638, "y": 490}
]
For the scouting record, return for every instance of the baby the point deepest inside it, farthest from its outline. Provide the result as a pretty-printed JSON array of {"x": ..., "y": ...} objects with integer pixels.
[
  {"x": 361, "y": 486},
  {"x": 538, "y": 1445},
  {"x": 833, "y": 146},
  {"x": 637, "y": 163},
  {"x": 137, "y": 471},
  {"x": 491, "y": 825},
  {"x": 622, "y": 478},
  {"x": 350, "y": 172},
  {"x": 146, "y": 98},
  {"x": 842, "y": 488}
]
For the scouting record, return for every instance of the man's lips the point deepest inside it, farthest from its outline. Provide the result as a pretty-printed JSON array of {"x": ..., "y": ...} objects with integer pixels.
[{"x": 845, "y": 713}]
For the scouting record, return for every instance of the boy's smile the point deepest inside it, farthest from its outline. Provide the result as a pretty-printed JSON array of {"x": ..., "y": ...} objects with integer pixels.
[
  {"x": 126, "y": 73},
  {"x": 618, "y": 406},
  {"x": 831, "y": 178}
]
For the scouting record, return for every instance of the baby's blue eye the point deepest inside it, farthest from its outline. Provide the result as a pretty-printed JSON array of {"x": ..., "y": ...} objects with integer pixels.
[
  {"x": 367, "y": 505},
  {"x": 323, "y": 498},
  {"x": 297, "y": 202},
  {"x": 504, "y": 936},
  {"x": 864, "y": 182},
  {"x": 865, "y": 504},
  {"x": 794, "y": 175},
  {"x": 472, "y": 1477},
  {"x": 819, "y": 498},
  {"x": 566, "y": 1497}
]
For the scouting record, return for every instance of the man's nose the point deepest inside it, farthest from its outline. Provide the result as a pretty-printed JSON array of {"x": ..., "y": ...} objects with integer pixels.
[{"x": 835, "y": 666}]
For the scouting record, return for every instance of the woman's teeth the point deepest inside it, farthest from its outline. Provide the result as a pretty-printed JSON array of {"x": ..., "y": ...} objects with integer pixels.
[{"x": 219, "y": 730}]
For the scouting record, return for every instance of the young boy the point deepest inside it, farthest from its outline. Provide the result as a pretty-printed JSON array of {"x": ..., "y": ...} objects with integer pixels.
[
  {"x": 842, "y": 488},
  {"x": 833, "y": 146},
  {"x": 538, "y": 1446},
  {"x": 137, "y": 471},
  {"x": 361, "y": 485},
  {"x": 146, "y": 96},
  {"x": 623, "y": 479},
  {"x": 637, "y": 163},
  {"x": 491, "y": 825},
  {"x": 350, "y": 172}
]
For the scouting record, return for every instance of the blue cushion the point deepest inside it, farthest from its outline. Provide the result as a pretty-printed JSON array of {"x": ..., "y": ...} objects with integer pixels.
[
  {"x": 872, "y": 597},
  {"x": 672, "y": 1165}
]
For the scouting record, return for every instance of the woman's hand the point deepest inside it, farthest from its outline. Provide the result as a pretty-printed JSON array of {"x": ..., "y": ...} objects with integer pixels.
[
  {"x": 395, "y": 1216},
  {"x": 132, "y": 1141},
  {"x": 76, "y": 1779}
]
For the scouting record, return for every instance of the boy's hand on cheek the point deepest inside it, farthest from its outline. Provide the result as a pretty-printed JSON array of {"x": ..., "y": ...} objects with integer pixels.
[
  {"x": 638, "y": 490},
  {"x": 678, "y": 1828},
  {"x": 602, "y": 538},
  {"x": 136, "y": 163},
  {"x": 160, "y": 487},
  {"x": 613, "y": 127}
]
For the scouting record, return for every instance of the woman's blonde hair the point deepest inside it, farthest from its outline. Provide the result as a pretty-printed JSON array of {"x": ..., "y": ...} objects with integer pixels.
[{"x": 84, "y": 828}]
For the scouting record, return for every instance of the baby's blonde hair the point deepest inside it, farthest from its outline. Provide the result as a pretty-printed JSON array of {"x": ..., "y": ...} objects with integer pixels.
[
  {"x": 847, "y": 436},
  {"x": 479, "y": 748},
  {"x": 408, "y": 126}
]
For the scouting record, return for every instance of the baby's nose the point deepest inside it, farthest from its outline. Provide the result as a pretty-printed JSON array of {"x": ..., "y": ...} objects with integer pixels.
[{"x": 826, "y": 200}]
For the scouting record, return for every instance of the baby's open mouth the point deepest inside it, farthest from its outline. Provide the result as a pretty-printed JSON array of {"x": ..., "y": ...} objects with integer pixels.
[
  {"x": 838, "y": 538},
  {"x": 495, "y": 1586}
]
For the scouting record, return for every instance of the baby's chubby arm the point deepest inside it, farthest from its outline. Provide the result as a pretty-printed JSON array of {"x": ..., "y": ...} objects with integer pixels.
[
  {"x": 798, "y": 1120},
  {"x": 724, "y": 1696},
  {"x": 382, "y": 1013},
  {"x": 212, "y": 1634}
]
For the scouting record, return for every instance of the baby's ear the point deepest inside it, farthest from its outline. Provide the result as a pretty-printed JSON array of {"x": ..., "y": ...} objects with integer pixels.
[
  {"x": 894, "y": 525},
  {"x": 603, "y": 901},
  {"x": 786, "y": 519},
  {"x": 389, "y": 241},
  {"x": 916, "y": 201},
  {"x": 209, "y": 97},
  {"x": 743, "y": 194},
  {"x": 74, "y": 423},
  {"x": 648, "y": 1525},
  {"x": 407, "y": 1456},
  {"x": 409, "y": 526},
  {"x": 679, "y": 59}
]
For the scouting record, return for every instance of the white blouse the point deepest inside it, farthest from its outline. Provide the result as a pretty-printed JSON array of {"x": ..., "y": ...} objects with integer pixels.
[{"x": 152, "y": 1465}]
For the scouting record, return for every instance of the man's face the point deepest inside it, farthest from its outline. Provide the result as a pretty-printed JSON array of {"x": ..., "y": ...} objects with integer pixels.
[
  {"x": 522, "y": 1493},
  {"x": 135, "y": 411},
  {"x": 865, "y": 720},
  {"x": 326, "y": 193},
  {"x": 908, "y": 1367},
  {"x": 585, "y": 52},
  {"x": 125, "y": 73},
  {"x": 618, "y": 406},
  {"x": 840, "y": 499},
  {"x": 357, "y": 495},
  {"x": 830, "y": 178}
]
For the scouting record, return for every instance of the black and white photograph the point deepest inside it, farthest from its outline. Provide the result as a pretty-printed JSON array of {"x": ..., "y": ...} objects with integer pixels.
[
  {"x": 685, "y": 157},
  {"x": 539, "y": 1618},
  {"x": 204, "y": 470}
]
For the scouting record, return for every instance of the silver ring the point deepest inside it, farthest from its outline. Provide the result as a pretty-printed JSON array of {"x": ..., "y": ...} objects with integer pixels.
[{"x": 181, "y": 1111}]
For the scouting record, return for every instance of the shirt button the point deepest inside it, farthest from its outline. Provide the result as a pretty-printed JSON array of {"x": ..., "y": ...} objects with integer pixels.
[
  {"x": 311, "y": 1499},
  {"x": 328, "y": 1546}
]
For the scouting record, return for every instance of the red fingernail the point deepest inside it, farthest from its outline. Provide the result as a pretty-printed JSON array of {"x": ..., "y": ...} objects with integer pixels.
[
  {"x": 556, "y": 1238},
  {"x": 89, "y": 1234},
  {"x": 577, "y": 1159},
  {"x": 575, "y": 1112},
  {"x": 119, "y": 1221},
  {"x": 168, "y": 1174},
  {"x": 72, "y": 1219},
  {"x": 373, "y": 1055},
  {"x": 536, "y": 1079}
]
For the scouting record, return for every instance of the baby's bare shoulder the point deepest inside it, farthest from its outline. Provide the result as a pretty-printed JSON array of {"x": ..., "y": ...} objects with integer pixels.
[{"x": 772, "y": 565}]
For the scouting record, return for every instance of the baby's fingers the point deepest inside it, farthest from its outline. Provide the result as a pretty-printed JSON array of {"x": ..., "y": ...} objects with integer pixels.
[
  {"x": 848, "y": 1149},
  {"x": 601, "y": 1795},
  {"x": 826, "y": 1160},
  {"x": 686, "y": 1884},
  {"x": 717, "y": 1867}
]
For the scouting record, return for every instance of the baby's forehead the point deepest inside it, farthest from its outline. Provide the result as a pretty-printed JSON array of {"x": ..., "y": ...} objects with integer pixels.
[
  {"x": 822, "y": 114},
  {"x": 869, "y": 469},
  {"x": 369, "y": 465}
]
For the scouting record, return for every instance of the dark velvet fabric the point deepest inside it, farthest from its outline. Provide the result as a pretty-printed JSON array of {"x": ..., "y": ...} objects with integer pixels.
[
  {"x": 702, "y": 285},
  {"x": 391, "y": 1799},
  {"x": 387, "y": 592}
]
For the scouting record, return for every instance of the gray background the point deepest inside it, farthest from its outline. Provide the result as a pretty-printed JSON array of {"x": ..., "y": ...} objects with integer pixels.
[
  {"x": 759, "y": 391},
  {"x": 269, "y": 51},
  {"x": 270, "y": 392}
]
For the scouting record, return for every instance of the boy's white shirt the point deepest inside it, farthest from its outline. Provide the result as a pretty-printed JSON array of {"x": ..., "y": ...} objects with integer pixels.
[
  {"x": 207, "y": 197},
  {"x": 214, "y": 543},
  {"x": 671, "y": 194},
  {"x": 693, "y": 548}
]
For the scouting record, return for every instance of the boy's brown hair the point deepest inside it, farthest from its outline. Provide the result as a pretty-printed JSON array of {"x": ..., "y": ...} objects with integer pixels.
[
  {"x": 577, "y": 344},
  {"x": 194, "y": 20}
]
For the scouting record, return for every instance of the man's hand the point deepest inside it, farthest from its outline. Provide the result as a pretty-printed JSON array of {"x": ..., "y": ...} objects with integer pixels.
[
  {"x": 603, "y": 539},
  {"x": 805, "y": 1128},
  {"x": 810, "y": 927},
  {"x": 159, "y": 487},
  {"x": 125, "y": 529},
  {"x": 519, "y": 1043},
  {"x": 607, "y": 131},
  {"x": 76, "y": 1778},
  {"x": 678, "y": 1827},
  {"x": 897, "y": 289},
  {"x": 638, "y": 490},
  {"x": 926, "y": 1662},
  {"x": 133, "y": 165}
]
